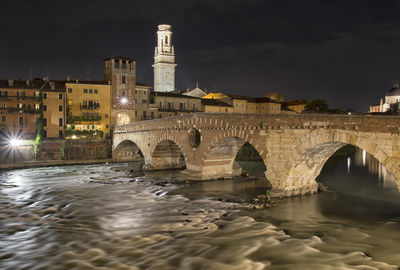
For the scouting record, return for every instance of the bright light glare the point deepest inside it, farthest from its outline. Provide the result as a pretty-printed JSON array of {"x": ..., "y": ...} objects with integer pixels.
[
  {"x": 74, "y": 136},
  {"x": 124, "y": 100},
  {"x": 16, "y": 142}
]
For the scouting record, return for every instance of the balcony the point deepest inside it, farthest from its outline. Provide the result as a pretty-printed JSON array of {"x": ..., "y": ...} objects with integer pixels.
[
  {"x": 75, "y": 119},
  {"x": 89, "y": 107}
]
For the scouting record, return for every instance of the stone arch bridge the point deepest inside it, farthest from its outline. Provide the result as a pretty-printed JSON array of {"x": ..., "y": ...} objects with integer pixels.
[{"x": 294, "y": 148}]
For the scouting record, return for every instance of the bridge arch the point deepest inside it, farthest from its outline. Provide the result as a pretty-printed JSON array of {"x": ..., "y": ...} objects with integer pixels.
[
  {"x": 312, "y": 154},
  {"x": 127, "y": 150},
  {"x": 167, "y": 153},
  {"x": 219, "y": 161}
]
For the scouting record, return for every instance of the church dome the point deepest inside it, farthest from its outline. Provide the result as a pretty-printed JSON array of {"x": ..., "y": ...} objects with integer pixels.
[{"x": 394, "y": 91}]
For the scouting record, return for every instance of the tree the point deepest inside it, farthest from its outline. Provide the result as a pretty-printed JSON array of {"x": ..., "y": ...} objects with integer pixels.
[{"x": 317, "y": 105}]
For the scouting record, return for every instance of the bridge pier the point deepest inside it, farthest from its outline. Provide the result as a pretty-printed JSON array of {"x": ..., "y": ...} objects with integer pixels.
[{"x": 166, "y": 156}]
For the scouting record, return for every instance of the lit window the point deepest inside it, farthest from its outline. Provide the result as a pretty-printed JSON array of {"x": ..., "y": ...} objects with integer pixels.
[{"x": 37, "y": 106}]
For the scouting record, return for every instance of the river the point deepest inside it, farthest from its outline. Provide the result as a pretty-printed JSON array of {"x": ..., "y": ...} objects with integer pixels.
[{"x": 114, "y": 216}]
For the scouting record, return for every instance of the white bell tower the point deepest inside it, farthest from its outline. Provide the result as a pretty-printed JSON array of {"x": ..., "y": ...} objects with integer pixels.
[{"x": 164, "y": 60}]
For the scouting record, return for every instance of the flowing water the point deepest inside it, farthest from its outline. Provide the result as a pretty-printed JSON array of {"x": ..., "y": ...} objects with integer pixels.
[{"x": 112, "y": 216}]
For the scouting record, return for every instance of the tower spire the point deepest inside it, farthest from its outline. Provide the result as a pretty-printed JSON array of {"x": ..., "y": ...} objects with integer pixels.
[{"x": 164, "y": 60}]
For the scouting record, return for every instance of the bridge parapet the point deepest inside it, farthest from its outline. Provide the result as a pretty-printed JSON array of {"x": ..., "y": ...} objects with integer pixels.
[{"x": 294, "y": 148}]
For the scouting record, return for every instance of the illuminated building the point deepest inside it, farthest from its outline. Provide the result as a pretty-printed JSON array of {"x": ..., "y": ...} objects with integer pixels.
[
  {"x": 164, "y": 61},
  {"x": 20, "y": 107},
  {"x": 88, "y": 107}
]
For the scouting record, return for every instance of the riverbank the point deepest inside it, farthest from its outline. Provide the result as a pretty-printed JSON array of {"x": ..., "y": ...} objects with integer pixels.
[{"x": 50, "y": 163}]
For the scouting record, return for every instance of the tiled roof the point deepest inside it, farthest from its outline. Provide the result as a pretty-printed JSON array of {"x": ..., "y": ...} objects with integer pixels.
[{"x": 214, "y": 102}]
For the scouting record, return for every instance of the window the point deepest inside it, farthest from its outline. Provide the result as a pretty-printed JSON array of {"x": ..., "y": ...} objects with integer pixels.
[
  {"x": 144, "y": 114},
  {"x": 85, "y": 91},
  {"x": 60, "y": 122},
  {"x": 160, "y": 105},
  {"x": 194, "y": 106},
  {"x": 106, "y": 116},
  {"x": 44, "y": 95},
  {"x": 96, "y": 91},
  {"x": 60, "y": 109},
  {"x": 166, "y": 39},
  {"x": 181, "y": 106},
  {"x": 60, "y": 133},
  {"x": 4, "y": 105},
  {"x": 135, "y": 101},
  {"x": 45, "y": 122},
  {"x": 135, "y": 91},
  {"x": 69, "y": 90},
  {"x": 4, "y": 118},
  {"x": 144, "y": 101},
  {"x": 37, "y": 106},
  {"x": 170, "y": 104},
  {"x": 123, "y": 65},
  {"x": 135, "y": 113},
  {"x": 20, "y": 106},
  {"x": 36, "y": 94},
  {"x": 116, "y": 64},
  {"x": 20, "y": 95},
  {"x": 152, "y": 115},
  {"x": 45, "y": 133},
  {"x": 123, "y": 93},
  {"x": 123, "y": 79},
  {"x": 107, "y": 126},
  {"x": 90, "y": 91},
  {"x": 60, "y": 96},
  {"x": 160, "y": 116},
  {"x": 21, "y": 120},
  {"x": 45, "y": 108}
]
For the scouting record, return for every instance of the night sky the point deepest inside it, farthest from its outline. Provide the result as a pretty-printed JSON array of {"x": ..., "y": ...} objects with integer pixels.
[{"x": 343, "y": 51}]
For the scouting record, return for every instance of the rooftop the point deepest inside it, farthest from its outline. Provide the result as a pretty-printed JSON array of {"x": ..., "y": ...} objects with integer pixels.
[
  {"x": 120, "y": 58},
  {"x": 214, "y": 102}
]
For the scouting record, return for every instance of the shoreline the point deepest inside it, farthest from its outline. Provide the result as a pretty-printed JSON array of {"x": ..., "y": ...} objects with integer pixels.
[{"x": 51, "y": 163}]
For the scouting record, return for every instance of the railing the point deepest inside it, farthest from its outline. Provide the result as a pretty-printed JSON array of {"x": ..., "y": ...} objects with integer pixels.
[
  {"x": 177, "y": 110},
  {"x": 20, "y": 110},
  {"x": 87, "y": 107},
  {"x": 73, "y": 119}
]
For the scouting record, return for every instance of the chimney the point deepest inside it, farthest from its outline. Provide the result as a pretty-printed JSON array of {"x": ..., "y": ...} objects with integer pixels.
[
  {"x": 10, "y": 82},
  {"x": 27, "y": 83},
  {"x": 68, "y": 78},
  {"x": 46, "y": 78},
  {"x": 76, "y": 81},
  {"x": 52, "y": 85}
]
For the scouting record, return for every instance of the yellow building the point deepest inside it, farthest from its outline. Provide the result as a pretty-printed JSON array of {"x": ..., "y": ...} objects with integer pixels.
[
  {"x": 54, "y": 111},
  {"x": 215, "y": 106},
  {"x": 296, "y": 105},
  {"x": 243, "y": 104},
  {"x": 171, "y": 104},
  {"x": 89, "y": 107}
]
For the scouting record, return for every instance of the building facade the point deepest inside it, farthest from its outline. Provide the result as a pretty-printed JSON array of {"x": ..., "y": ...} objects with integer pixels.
[
  {"x": 88, "y": 107},
  {"x": 54, "y": 109},
  {"x": 20, "y": 107},
  {"x": 120, "y": 73},
  {"x": 164, "y": 61},
  {"x": 171, "y": 104}
]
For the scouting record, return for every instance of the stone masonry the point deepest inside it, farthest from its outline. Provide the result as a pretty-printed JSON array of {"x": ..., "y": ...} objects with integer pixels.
[{"x": 294, "y": 148}]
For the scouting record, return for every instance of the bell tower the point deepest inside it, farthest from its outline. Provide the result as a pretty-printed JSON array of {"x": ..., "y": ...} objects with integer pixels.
[{"x": 164, "y": 60}]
